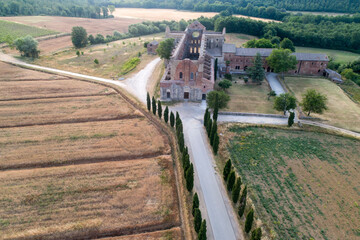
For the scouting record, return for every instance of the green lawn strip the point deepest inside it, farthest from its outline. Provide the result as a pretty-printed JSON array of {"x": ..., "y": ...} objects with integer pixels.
[{"x": 339, "y": 56}]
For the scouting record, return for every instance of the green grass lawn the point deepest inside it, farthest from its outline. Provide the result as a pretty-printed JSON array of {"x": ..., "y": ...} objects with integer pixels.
[
  {"x": 16, "y": 30},
  {"x": 250, "y": 98},
  {"x": 342, "y": 112},
  {"x": 338, "y": 55},
  {"x": 304, "y": 184},
  {"x": 238, "y": 38}
]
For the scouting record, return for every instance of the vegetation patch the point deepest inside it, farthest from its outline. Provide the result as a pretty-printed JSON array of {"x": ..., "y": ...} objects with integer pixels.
[
  {"x": 303, "y": 184},
  {"x": 15, "y": 30},
  {"x": 129, "y": 65}
]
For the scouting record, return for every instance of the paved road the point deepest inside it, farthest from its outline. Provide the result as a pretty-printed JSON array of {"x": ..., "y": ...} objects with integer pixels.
[
  {"x": 274, "y": 83},
  {"x": 221, "y": 219}
]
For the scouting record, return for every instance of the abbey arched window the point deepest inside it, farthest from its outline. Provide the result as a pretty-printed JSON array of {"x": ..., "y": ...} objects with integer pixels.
[
  {"x": 180, "y": 75},
  {"x": 191, "y": 76}
]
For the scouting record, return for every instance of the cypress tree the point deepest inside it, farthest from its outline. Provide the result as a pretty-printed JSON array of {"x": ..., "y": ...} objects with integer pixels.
[
  {"x": 183, "y": 156},
  {"x": 291, "y": 119},
  {"x": 243, "y": 195},
  {"x": 196, "y": 203},
  {"x": 216, "y": 144},
  {"x": 216, "y": 108},
  {"x": 215, "y": 68},
  {"x": 231, "y": 181},
  {"x": 197, "y": 220},
  {"x": 177, "y": 117},
  {"x": 172, "y": 119},
  {"x": 236, "y": 190},
  {"x": 208, "y": 127},
  {"x": 227, "y": 169},
  {"x": 166, "y": 114},
  {"x": 249, "y": 221},
  {"x": 190, "y": 178},
  {"x": 256, "y": 234},
  {"x": 159, "y": 109},
  {"x": 206, "y": 117},
  {"x": 186, "y": 163},
  {"x": 148, "y": 101},
  {"x": 153, "y": 105},
  {"x": 202, "y": 232},
  {"x": 241, "y": 209},
  {"x": 213, "y": 132},
  {"x": 181, "y": 142}
]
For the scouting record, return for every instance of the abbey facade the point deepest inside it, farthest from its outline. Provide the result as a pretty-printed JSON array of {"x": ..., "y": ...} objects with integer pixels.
[{"x": 189, "y": 73}]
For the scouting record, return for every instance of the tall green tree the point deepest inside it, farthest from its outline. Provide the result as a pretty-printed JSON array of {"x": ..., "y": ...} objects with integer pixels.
[
  {"x": 223, "y": 99},
  {"x": 213, "y": 133},
  {"x": 241, "y": 208},
  {"x": 244, "y": 194},
  {"x": 314, "y": 101},
  {"x": 216, "y": 144},
  {"x": 165, "y": 48},
  {"x": 291, "y": 119},
  {"x": 249, "y": 221},
  {"x": 197, "y": 220},
  {"x": 281, "y": 61},
  {"x": 216, "y": 108},
  {"x": 195, "y": 203},
  {"x": 215, "y": 68},
  {"x": 148, "y": 101},
  {"x": 190, "y": 178},
  {"x": 284, "y": 102},
  {"x": 257, "y": 72},
  {"x": 287, "y": 44},
  {"x": 206, "y": 117},
  {"x": 27, "y": 46},
  {"x": 166, "y": 114},
  {"x": 202, "y": 231},
  {"x": 159, "y": 107},
  {"x": 236, "y": 190},
  {"x": 79, "y": 37},
  {"x": 208, "y": 127},
  {"x": 172, "y": 119},
  {"x": 153, "y": 105},
  {"x": 230, "y": 181},
  {"x": 227, "y": 169}
]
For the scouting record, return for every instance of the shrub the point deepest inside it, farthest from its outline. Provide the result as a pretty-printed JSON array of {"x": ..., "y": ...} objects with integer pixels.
[
  {"x": 228, "y": 76},
  {"x": 256, "y": 234},
  {"x": 291, "y": 119},
  {"x": 130, "y": 65},
  {"x": 96, "y": 61}
]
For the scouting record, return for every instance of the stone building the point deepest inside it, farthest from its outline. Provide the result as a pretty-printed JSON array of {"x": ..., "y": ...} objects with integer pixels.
[
  {"x": 152, "y": 46},
  {"x": 189, "y": 73},
  {"x": 239, "y": 59}
]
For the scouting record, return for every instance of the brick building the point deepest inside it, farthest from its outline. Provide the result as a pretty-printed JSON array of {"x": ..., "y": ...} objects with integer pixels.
[
  {"x": 189, "y": 73},
  {"x": 152, "y": 46}
]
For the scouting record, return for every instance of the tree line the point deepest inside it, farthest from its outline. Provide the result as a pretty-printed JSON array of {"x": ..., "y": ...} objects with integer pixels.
[{"x": 65, "y": 8}]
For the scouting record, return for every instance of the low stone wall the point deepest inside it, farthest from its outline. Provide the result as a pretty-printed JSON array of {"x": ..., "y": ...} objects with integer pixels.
[{"x": 253, "y": 114}]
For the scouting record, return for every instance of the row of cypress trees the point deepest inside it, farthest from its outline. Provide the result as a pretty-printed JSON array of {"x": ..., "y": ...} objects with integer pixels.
[
  {"x": 234, "y": 187},
  {"x": 211, "y": 126},
  {"x": 187, "y": 165}
]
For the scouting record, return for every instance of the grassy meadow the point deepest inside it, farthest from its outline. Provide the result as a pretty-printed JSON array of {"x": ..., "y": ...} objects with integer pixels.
[
  {"x": 339, "y": 56},
  {"x": 342, "y": 112},
  {"x": 16, "y": 30},
  {"x": 304, "y": 184},
  {"x": 250, "y": 98}
]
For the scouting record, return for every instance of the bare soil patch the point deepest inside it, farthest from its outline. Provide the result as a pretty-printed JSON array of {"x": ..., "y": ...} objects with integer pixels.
[
  {"x": 87, "y": 201},
  {"x": 68, "y": 109},
  {"x": 43, "y": 89}
]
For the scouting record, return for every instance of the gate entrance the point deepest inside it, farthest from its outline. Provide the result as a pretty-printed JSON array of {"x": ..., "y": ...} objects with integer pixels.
[{"x": 186, "y": 95}]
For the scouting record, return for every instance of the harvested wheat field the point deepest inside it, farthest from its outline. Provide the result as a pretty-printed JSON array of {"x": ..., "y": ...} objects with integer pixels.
[
  {"x": 90, "y": 200},
  {"x": 79, "y": 161},
  {"x": 64, "y": 110}
]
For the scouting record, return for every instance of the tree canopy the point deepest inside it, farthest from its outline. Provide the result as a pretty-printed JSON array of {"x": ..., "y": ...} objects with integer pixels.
[
  {"x": 79, "y": 37},
  {"x": 313, "y": 101},
  {"x": 287, "y": 44},
  {"x": 223, "y": 99},
  {"x": 284, "y": 102},
  {"x": 281, "y": 60},
  {"x": 256, "y": 72},
  {"x": 225, "y": 84},
  {"x": 27, "y": 46},
  {"x": 165, "y": 48}
]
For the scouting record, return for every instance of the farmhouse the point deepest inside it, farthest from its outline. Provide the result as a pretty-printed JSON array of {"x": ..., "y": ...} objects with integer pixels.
[{"x": 189, "y": 72}]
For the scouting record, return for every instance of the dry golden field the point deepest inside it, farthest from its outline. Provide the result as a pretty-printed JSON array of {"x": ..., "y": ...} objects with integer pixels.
[{"x": 78, "y": 161}]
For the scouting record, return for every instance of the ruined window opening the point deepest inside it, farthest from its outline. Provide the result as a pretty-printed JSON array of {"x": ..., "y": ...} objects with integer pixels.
[
  {"x": 181, "y": 75},
  {"x": 191, "y": 76},
  {"x": 319, "y": 70}
]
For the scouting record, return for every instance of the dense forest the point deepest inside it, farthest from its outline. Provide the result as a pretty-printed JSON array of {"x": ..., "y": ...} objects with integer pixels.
[{"x": 66, "y": 8}]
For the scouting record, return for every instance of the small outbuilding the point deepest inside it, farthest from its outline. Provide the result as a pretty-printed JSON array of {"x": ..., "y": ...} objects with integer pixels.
[{"x": 152, "y": 46}]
